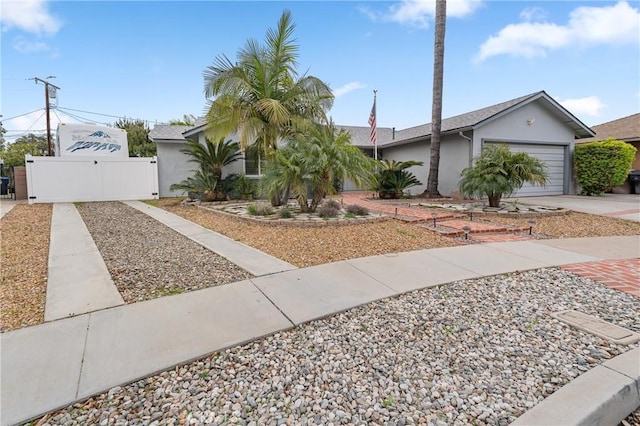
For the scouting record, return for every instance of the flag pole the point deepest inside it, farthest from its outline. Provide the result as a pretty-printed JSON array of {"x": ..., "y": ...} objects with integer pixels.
[{"x": 375, "y": 112}]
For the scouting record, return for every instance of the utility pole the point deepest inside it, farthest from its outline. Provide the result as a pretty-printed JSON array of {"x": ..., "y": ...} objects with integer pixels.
[{"x": 47, "y": 93}]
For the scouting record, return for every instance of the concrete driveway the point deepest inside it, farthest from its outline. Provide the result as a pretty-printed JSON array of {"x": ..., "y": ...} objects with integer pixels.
[{"x": 621, "y": 206}]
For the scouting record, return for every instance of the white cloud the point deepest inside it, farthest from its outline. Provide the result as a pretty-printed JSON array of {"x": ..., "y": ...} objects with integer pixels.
[
  {"x": 587, "y": 26},
  {"x": 590, "y": 105},
  {"x": 533, "y": 14},
  {"x": 31, "y": 16},
  {"x": 420, "y": 12},
  {"x": 349, "y": 87},
  {"x": 26, "y": 46}
]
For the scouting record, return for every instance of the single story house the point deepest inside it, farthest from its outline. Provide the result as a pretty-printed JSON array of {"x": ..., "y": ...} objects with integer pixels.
[
  {"x": 626, "y": 129},
  {"x": 534, "y": 123}
]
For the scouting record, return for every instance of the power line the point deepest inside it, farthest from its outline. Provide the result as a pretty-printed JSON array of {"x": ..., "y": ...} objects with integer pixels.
[
  {"x": 21, "y": 115},
  {"x": 107, "y": 115}
]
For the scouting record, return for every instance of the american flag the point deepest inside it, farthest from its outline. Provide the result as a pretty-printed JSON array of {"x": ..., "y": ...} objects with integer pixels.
[{"x": 372, "y": 123}]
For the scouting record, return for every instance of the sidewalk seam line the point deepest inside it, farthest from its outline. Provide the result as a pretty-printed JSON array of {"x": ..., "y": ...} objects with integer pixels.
[
  {"x": 635, "y": 379},
  {"x": 271, "y": 301},
  {"x": 84, "y": 351}
]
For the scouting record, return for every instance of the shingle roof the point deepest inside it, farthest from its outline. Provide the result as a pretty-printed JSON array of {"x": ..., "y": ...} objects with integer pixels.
[
  {"x": 462, "y": 121},
  {"x": 167, "y": 132},
  {"x": 386, "y": 135},
  {"x": 624, "y": 129}
]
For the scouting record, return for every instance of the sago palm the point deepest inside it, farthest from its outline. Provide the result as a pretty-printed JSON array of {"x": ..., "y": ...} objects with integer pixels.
[
  {"x": 498, "y": 172},
  {"x": 213, "y": 156}
]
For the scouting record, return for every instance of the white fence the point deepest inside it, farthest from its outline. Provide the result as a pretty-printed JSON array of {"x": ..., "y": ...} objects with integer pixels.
[{"x": 70, "y": 179}]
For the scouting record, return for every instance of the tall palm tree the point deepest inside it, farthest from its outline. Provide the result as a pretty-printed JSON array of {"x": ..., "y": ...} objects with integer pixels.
[
  {"x": 436, "y": 108},
  {"x": 260, "y": 95}
]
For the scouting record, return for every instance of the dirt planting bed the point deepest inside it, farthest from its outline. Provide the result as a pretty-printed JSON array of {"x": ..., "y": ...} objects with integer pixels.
[{"x": 24, "y": 233}]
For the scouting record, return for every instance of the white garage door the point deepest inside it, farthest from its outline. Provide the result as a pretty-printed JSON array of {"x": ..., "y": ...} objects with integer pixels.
[{"x": 553, "y": 158}]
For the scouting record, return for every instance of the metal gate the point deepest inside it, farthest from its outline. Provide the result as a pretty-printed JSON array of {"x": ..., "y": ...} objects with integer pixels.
[{"x": 70, "y": 179}]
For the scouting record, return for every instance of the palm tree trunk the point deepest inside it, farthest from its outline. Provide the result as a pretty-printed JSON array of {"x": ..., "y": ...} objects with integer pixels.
[
  {"x": 436, "y": 108},
  {"x": 494, "y": 200}
]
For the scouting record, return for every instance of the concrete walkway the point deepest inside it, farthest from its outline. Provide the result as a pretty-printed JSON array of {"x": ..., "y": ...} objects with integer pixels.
[
  {"x": 78, "y": 280},
  {"x": 6, "y": 205},
  {"x": 51, "y": 365},
  {"x": 248, "y": 258},
  {"x": 621, "y": 206}
]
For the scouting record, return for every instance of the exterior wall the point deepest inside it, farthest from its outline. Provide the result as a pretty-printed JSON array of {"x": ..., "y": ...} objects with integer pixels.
[
  {"x": 513, "y": 127},
  {"x": 545, "y": 129},
  {"x": 174, "y": 167},
  {"x": 454, "y": 157}
]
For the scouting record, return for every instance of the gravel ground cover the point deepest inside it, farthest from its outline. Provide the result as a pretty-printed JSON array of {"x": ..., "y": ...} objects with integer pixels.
[
  {"x": 314, "y": 246},
  {"x": 24, "y": 258},
  {"x": 478, "y": 352},
  {"x": 146, "y": 259},
  {"x": 572, "y": 225}
]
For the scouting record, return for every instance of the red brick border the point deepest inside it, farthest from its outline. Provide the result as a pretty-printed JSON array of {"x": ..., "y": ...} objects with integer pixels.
[{"x": 621, "y": 274}]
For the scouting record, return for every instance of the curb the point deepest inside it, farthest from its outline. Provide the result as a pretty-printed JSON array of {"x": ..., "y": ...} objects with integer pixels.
[{"x": 604, "y": 395}]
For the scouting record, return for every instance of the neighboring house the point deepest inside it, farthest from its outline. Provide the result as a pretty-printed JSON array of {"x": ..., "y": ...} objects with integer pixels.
[
  {"x": 534, "y": 123},
  {"x": 626, "y": 129}
]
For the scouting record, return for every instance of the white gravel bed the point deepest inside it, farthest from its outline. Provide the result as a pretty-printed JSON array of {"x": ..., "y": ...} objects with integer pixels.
[
  {"x": 147, "y": 259},
  {"x": 472, "y": 352}
]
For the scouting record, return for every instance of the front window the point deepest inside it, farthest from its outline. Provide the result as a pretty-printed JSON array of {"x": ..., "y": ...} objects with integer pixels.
[{"x": 253, "y": 162}]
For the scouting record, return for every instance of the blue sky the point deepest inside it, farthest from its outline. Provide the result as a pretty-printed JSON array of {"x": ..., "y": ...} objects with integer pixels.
[{"x": 145, "y": 59}]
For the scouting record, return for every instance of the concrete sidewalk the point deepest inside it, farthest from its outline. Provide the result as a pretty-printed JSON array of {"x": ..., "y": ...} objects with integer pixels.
[
  {"x": 621, "y": 206},
  {"x": 51, "y": 365}
]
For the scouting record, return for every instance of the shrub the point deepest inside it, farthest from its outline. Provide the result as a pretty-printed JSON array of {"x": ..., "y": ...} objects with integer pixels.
[
  {"x": 327, "y": 212},
  {"x": 332, "y": 203},
  {"x": 498, "y": 172},
  {"x": 259, "y": 209},
  {"x": 350, "y": 216},
  {"x": 357, "y": 210},
  {"x": 285, "y": 214},
  {"x": 602, "y": 165},
  {"x": 245, "y": 187}
]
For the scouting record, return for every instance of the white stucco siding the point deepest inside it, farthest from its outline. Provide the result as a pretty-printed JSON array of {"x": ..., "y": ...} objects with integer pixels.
[
  {"x": 454, "y": 157},
  {"x": 515, "y": 127},
  {"x": 173, "y": 167}
]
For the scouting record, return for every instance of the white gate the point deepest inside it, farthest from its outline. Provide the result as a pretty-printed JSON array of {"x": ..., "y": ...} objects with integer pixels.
[{"x": 70, "y": 179}]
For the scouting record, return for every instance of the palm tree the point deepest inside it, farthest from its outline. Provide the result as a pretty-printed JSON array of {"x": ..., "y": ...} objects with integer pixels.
[
  {"x": 311, "y": 162},
  {"x": 213, "y": 156},
  {"x": 392, "y": 178},
  {"x": 498, "y": 172},
  {"x": 436, "y": 108},
  {"x": 260, "y": 95}
]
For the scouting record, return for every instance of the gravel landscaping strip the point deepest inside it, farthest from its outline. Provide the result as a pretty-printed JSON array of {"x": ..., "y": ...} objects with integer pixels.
[
  {"x": 571, "y": 225},
  {"x": 146, "y": 259},
  {"x": 25, "y": 232},
  {"x": 479, "y": 351},
  {"x": 304, "y": 247}
]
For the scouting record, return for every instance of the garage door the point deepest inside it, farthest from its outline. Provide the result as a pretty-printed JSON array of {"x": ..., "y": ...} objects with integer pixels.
[{"x": 553, "y": 158}]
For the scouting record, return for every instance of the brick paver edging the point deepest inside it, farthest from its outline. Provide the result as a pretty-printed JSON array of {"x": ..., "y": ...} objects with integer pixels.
[
  {"x": 297, "y": 223},
  {"x": 619, "y": 274}
]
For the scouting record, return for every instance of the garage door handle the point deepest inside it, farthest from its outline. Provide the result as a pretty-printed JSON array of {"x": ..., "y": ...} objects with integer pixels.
[{"x": 95, "y": 161}]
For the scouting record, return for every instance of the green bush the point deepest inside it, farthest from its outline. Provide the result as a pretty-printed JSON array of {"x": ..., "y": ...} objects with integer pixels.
[
  {"x": 602, "y": 165},
  {"x": 285, "y": 214},
  {"x": 259, "y": 209}
]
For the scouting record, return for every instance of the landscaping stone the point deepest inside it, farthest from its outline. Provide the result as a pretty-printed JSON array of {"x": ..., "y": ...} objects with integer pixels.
[
  {"x": 147, "y": 259},
  {"x": 478, "y": 351}
]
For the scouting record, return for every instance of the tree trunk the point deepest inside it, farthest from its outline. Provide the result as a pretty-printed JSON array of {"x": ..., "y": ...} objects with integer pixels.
[
  {"x": 436, "y": 108},
  {"x": 494, "y": 200}
]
